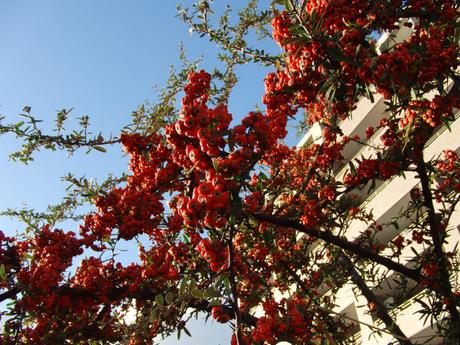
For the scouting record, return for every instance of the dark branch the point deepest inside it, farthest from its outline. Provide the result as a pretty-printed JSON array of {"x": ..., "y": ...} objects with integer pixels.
[
  {"x": 342, "y": 243},
  {"x": 380, "y": 309}
]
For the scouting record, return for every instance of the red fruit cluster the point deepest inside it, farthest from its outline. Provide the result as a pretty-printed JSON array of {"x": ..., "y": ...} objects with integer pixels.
[
  {"x": 371, "y": 168},
  {"x": 433, "y": 113},
  {"x": 197, "y": 142},
  {"x": 135, "y": 208},
  {"x": 448, "y": 174},
  {"x": 215, "y": 253},
  {"x": 8, "y": 256},
  {"x": 286, "y": 317},
  {"x": 208, "y": 202},
  {"x": 53, "y": 254},
  {"x": 220, "y": 315},
  {"x": 340, "y": 30}
]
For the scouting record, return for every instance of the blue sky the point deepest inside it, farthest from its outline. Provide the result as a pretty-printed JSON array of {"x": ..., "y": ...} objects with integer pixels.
[{"x": 102, "y": 58}]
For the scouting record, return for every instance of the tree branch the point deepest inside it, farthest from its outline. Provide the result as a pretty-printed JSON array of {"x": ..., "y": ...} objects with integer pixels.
[
  {"x": 342, "y": 243},
  {"x": 380, "y": 310},
  {"x": 445, "y": 288},
  {"x": 9, "y": 294}
]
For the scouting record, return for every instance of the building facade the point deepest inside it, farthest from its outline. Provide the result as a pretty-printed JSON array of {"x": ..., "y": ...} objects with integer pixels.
[{"x": 386, "y": 202}]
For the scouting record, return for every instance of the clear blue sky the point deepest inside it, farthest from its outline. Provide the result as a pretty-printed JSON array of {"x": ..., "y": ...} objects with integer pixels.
[{"x": 102, "y": 58}]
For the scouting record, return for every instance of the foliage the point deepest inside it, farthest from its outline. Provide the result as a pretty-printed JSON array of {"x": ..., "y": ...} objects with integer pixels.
[{"x": 231, "y": 222}]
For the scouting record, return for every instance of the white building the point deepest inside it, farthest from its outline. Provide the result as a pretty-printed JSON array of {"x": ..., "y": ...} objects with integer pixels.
[{"x": 386, "y": 201}]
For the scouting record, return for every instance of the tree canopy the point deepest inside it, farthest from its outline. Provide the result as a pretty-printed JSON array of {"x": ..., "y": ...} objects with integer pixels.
[{"x": 229, "y": 220}]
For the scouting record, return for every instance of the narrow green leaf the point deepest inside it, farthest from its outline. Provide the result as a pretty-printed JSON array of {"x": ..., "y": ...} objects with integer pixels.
[
  {"x": 313, "y": 19},
  {"x": 183, "y": 286},
  {"x": 2, "y": 272},
  {"x": 369, "y": 94},
  {"x": 187, "y": 331},
  {"x": 226, "y": 282},
  {"x": 352, "y": 168},
  {"x": 183, "y": 305},
  {"x": 153, "y": 315},
  {"x": 100, "y": 148},
  {"x": 215, "y": 164},
  {"x": 330, "y": 93}
]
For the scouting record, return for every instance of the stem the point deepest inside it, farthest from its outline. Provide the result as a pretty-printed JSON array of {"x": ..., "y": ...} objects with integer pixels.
[
  {"x": 445, "y": 288},
  {"x": 9, "y": 294},
  {"x": 342, "y": 243},
  {"x": 236, "y": 309},
  {"x": 395, "y": 332},
  {"x": 227, "y": 45},
  {"x": 380, "y": 311},
  {"x": 305, "y": 183},
  {"x": 298, "y": 15}
]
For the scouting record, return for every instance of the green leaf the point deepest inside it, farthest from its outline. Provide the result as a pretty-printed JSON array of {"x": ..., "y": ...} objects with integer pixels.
[
  {"x": 197, "y": 293},
  {"x": 369, "y": 94},
  {"x": 219, "y": 280},
  {"x": 160, "y": 299},
  {"x": 153, "y": 315},
  {"x": 447, "y": 124},
  {"x": 2, "y": 272},
  {"x": 183, "y": 286},
  {"x": 215, "y": 302},
  {"x": 262, "y": 176},
  {"x": 191, "y": 285},
  {"x": 336, "y": 53},
  {"x": 268, "y": 238},
  {"x": 287, "y": 5},
  {"x": 183, "y": 305},
  {"x": 187, "y": 331},
  {"x": 211, "y": 292},
  {"x": 296, "y": 40},
  {"x": 226, "y": 282},
  {"x": 330, "y": 93},
  {"x": 296, "y": 29},
  {"x": 352, "y": 168},
  {"x": 415, "y": 252},
  {"x": 186, "y": 238},
  {"x": 304, "y": 4},
  {"x": 440, "y": 86},
  {"x": 372, "y": 186},
  {"x": 313, "y": 18},
  {"x": 215, "y": 164},
  {"x": 169, "y": 297},
  {"x": 100, "y": 148}
]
